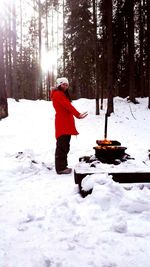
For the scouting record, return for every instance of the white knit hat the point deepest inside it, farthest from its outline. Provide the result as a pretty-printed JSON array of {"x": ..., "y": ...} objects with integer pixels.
[{"x": 61, "y": 80}]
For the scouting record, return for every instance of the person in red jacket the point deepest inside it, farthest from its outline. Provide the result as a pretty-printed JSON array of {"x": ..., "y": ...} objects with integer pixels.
[{"x": 64, "y": 123}]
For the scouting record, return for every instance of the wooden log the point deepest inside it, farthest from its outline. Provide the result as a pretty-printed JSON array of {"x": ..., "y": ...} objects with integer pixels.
[
  {"x": 120, "y": 177},
  {"x": 131, "y": 177}
]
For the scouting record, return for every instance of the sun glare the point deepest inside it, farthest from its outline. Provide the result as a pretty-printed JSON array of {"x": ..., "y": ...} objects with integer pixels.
[
  {"x": 49, "y": 62},
  {"x": 2, "y": 2},
  {"x": 5, "y": 6}
]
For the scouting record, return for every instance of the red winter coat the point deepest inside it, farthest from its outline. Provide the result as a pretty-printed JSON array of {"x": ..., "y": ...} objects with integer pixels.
[{"x": 64, "y": 120}]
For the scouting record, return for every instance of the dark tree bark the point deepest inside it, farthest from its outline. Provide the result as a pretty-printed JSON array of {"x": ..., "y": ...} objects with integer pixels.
[
  {"x": 148, "y": 34},
  {"x": 64, "y": 66},
  {"x": 14, "y": 42},
  {"x": 40, "y": 51},
  {"x": 47, "y": 49},
  {"x": 141, "y": 40},
  {"x": 131, "y": 50},
  {"x": 52, "y": 46},
  {"x": 110, "y": 106},
  {"x": 3, "y": 96},
  {"x": 96, "y": 56}
]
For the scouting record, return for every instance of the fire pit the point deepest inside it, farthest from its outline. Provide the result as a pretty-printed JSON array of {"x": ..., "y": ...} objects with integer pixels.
[{"x": 109, "y": 152}]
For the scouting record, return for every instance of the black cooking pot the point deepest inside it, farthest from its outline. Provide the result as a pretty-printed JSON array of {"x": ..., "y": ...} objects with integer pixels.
[{"x": 109, "y": 153}]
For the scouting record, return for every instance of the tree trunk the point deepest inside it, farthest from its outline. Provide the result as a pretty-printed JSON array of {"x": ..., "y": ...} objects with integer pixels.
[
  {"x": 131, "y": 62},
  {"x": 52, "y": 47},
  {"x": 21, "y": 44},
  {"x": 141, "y": 35},
  {"x": 47, "y": 50},
  {"x": 148, "y": 42},
  {"x": 14, "y": 71},
  {"x": 96, "y": 56},
  {"x": 8, "y": 79},
  {"x": 110, "y": 106},
  {"x": 3, "y": 96},
  {"x": 40, "y": 52},
  {"x": 64, "y": 67}
]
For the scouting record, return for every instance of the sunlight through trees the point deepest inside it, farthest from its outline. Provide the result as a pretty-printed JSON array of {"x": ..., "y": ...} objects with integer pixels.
[{"x": 103, "y": 53}]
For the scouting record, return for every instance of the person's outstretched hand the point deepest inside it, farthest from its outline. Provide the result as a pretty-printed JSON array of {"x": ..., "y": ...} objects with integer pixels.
[{"x": 83, "y": 115}]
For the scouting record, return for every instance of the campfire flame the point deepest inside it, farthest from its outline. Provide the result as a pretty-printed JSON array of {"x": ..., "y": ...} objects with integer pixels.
[
  {"x": 104, "y": 142},
  {"x": 106, "y": 147}
]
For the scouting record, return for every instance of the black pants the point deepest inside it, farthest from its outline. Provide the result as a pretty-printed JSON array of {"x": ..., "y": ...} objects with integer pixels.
[{"x": 62, "y": 149}]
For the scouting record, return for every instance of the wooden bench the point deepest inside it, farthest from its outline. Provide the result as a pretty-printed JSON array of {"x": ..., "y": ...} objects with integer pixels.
[{"x": 120, "y": 177}]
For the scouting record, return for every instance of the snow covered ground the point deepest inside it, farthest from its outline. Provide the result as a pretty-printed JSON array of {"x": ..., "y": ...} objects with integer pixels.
[{"x": 44, "y": 222}]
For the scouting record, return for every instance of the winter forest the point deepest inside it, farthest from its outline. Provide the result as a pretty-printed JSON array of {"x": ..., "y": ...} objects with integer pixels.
[{"x": 102, "y": 46}]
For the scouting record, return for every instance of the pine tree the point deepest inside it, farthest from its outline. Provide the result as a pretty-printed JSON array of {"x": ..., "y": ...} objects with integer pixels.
[{"x": 79, "y": 48}]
